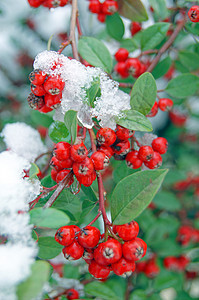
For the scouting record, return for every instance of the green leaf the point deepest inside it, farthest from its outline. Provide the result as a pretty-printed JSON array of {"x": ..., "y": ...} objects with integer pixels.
[
  {"x": 115, "y": 26},
  {"x": 99, "y": 289},
  {"x": 93, "y": 92},
  {"x": 34, "y": 170},
  {"x": 167, "y": 201},
  {"x": 160, "y": 8},
  {"x": 48, "y": 247},
  {"x": 88, "y": 191},
  {"x": 144, "y": 93},
  {"x": 189, "y": 59},
  {"x": 58, "y": 132},
  {"x": 33, "y": 285},
  {"x": 183, "y": 86},
  {"x": 166, "y": 280},
  {"x": 138, "y": 295},
  {"x": 162, "y": 67},
  {"x": 133, "y": 194},
  {"x": 134, "y": 120},
  {"x": 95, "y": 53},
  {"x": 70, "y": 120},
  {"x": 49, "y": 217},
  {"x": 133, "y": 10},
  {"x": 129, "y": 44},
  {"x": 41, "y": 119},
  {"x": 153, "y": 35}
]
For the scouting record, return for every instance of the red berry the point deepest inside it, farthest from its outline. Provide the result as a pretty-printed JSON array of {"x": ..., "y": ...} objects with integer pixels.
[
  {"x": 108, "y": 252},
  {"x": 95, "y": 6},
  {"x": 61, "y": 164},
  {"x": 83, "y": 168},
  {"x": 79, "y": 152},
  {"x": 107, "y": 150},
  {"x": 62, "y": 174},
  {"x": 177, "y": 118},
  {"x": 143, "y": 69},
  {"x": 160, "y": 145},
  {"x": 193, "y": 13},
  {"x": 134, "y": 250},
  {"x": 128, "y": 231},
  {"x": 183, "y": 261},
  {"x": 87, "y": 180},
  {"x": 54, "y": 85},
  {"x": 123, "y": 267},
  {"x": 74, "y": 251},
  {"x": 154, "y": 110},
  {"x": 45, "y": 109},
  {"x": 151, "y": 269},
  {"x": 37, "y": 77},
  {"x": 135, "y": 27},
  {"x": 72, "y": 294},
  {"x": 88, "y": 255},
  {"x": 75, "y": 228},
  {"x": 99, "y": 272},
  {"x": 165, "y": 104},
  {"x": 185, "y": 234},
  {"x": 133, "y": 161},
  {"x": 54, "y": 174},
  {"x": 89, "y": 237},
  {"x": 123, "y": 133},
  {"x": 52, "y": 101},
  {"x": 106, "y": 136},
  {"x": 133, "y": 67},
  {"x": 62, "y": 150},
  {"x": 109, "y": 7},
  {"x": 121, "y": 54},
  {"x": 54, "y": 3},
  {"x": 140, "y": 266},
  {"x": 120, "y": 68},
  {"x": 65, "y": 235},
  {"x": 35, "y": 3},
  {"x": 171, "y": 263},
  {"x": 122, "y": 148},
  {"x": 38, "y": 90},
  {"x": 101, "y": 17},
  {"x": 35, "y": 102},
  {"x": 155, "y": 162},
  {"x": 100, "y": 160},
  {"x": 145, "y": 153}
]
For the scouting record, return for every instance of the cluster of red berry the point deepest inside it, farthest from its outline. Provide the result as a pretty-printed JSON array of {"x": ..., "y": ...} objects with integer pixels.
[
  {"x": 47, "y": 3},
  {"x": 127, "y": 66},
  {"x": 193, "y": 14},
  {"x": 46, "y": 91},
  {"x": 108, "y": 7},
  {"x": 177, "y": 264},
  {"x": 163, "y": 104},
  {"x": 103, "y": 255},
  {"x": 135, "y": 27},
  {"x": 187, "y": 234},
  {"x": 190, "y": 182},
  {"x": 70, "y": 295},
  {"x": 149, "y": 267}
]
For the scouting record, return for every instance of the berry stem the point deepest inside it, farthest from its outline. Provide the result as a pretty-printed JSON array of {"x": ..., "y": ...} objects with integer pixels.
[
  {"x": 125, "y": 85},
  {"x": 95, "y": 219},
  {"x": 72, "y": 29},
  {"x": 78, "y": 27}
]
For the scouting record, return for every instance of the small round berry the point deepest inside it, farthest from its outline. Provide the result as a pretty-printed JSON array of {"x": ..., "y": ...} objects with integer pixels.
[
  {"x": 145, "y": 153},
  {"x": 171, "y": 263},
  {"x": 37, "y": 77},
  {"x": 123, "y": 133},
  {"x": 99, "y": 272},
  {"x": 151, "y": 269},
  {"x": 62, "y": 150},
  {"x": 108, "y": 252},
  {"x": 74, "y": 251},
  {"x": 120, "y": 68},
  {"x": 122, "y": 148},
  {"x": 154, "y": 110},
  {"x": 79, "y": 152},
  {"x": 61, "y": 164},
  {"x": 133, "y": 67},
  {"x": 121, "y": 54},
  {"x": 165, "y": 104},
  {"x": 178, "y": 118},
  {"x": 160, "y": 145},
  {"x": 101, "y": 17},
  {"x": 88, "y": 255},
  {"x": 54, "y": 85},
  {"x": 123, "y": 267},
  {"x": 109, "y": 7},
  {"x": 89, "y": 237},
  {"x": 155, "y": 162},
  {"x": 62, "y": 174},
  {"x": 135, "y": 27},
  {"x": 87, "y": 180},
  {"x": 127, "y": 231},
  {"x": 133, "y": 161},
  {"x": 100, "y": 160},
  {"x": 134, "y": 249},
  {"x": 106, "y": 136},
  {"x": 75, "y": 228},
  {"x": 38, "y": 90},
  {"x": 95, "y": 6},
  {"x": 35, "y": 102},
  {"x": 54, "y": 174},
  {"x": 45, "y": 109},
  {"x": 65, "y": 235},
  {"x": 52, "y": 101},
  {"x": 107, "y": 150},
  {"x": 83, "y": 168},
  {"x": 35, "y": 3},
  {"x": 72, "y": 294},
  {"x": 193, "y": 13}
]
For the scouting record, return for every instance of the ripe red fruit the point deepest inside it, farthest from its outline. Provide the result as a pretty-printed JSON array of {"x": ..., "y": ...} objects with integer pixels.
[
  {"x": 89, "y": 237},
  {"x": 62, "y": 150},
  {"x": 121, "y": 54},
  {"x": 60, "y": 164},
  {"x": 145, "y": 153},
  {"x": 79, "y": 152},
  {"x": 171, "y": 263},
  {"x": 95, "y": 6},
  {"x": 134, "y": 250},
  {"x": 99, "y": 272},
  {"x": 160, "y": 145},
  {"x": 83, "y": 168},
  {"x": 54, "y": 174},
  {"x": 123, "y": 133},
  {"x": 133, "y": 67},
  {"x": 37, "y": 77},
  {"x": 88, "y": 255},
  {"x": 45, "y": 109},
  {"x": 38, "y": 90},
  {"x": 107, "y": 150},
  {"x": 108, "y": 252},
  {"x": 74, "y": 251},
  {"x": 155, "y": 162},
  {"x": 62, "y": 174},
  {"x": 123, "y": 267},
  {"x": 54, "y": 3},
  {"x": 133, "y": 161},
  {"x": 54, "y": 85},
  {"x": 35, "y": 102},
  {"x": 35, "y": 3},
  {"x": 100, "y": 160},
  {"x": 120, "y": 68},
  {"x": 135, "y": 27},
  {"x": 101, "y": 17},
  {"x": 109, "y": 7},
  {"x": 52, "y": 101},
  {"x": 122, "y": 148},
  {"x": 127, "y": 231},
  {"x": 177, "y": 118},
  {"x": 183, "y": 261},
  {"x": 151, "y": 269},
  {"x": 72, "y": 294},
  {"x": 193, "y": 13},
  {"x": 106, "y": 136},
  {"x": 185, "y": 234},
  {"x": 165, "y": 104},
  {"x": 154, "y": 110},
  {"x": 65, "y": 235},
  {"x": 87, "y": 180},
  {"x": 75, "y": 228}
]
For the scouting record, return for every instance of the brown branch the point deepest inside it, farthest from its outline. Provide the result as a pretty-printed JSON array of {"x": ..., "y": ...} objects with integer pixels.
[
  {"x": 166, "y": 46},
  {"x": 72, "y": 29}
]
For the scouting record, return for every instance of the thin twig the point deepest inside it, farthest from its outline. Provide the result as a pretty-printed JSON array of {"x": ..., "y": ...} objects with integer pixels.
[{"x": 72, "y": 29}]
